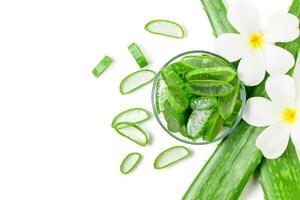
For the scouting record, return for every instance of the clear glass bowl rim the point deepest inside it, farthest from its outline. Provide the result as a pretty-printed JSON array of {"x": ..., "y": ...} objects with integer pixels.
[{"x": 226, "y": 133}]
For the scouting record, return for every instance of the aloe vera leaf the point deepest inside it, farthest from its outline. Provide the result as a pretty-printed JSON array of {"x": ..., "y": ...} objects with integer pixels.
[
  {"x": 175, "y": 121},
  {"x": 227, "y": 103},
  {"x": 165, "y": 28},
  {"x": 133, "y": 115},
  {"x": 130, "y": 162},
  {"x": 170, "y": 156},
  {"x": 177, "y": 99},
  {"x": 228, "y": 170},
  {"x": 237, "y": 108},
  {"x": 136, "y": 80},
  {"x": 203, "y": 103},
  {"x": 132, "y": 132},
  {"x": 200, "y": 61},
  {"x": 226, "y": 74},
  {"x": 180, "y": 67},
  {"x": 213, "y": 127},
  {"x": 197, "y": 122},
  {"x": 210, "y": 88},
  {"x": 138, "y": 55},
  {"x": 280, "y": 178},
  {"x": 102, "y": 66}
]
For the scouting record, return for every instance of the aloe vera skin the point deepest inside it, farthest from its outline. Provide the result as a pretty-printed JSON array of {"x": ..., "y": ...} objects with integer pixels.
[{"x": 229, "y": 168}]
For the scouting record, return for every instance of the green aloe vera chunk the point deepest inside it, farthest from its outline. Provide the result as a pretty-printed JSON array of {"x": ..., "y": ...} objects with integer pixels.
[
  {"x": 180, "y": 67},
  {"x": 102, "y": 66},
  {"x": 203, "y": 103},
  {"x": 210, "y": 88},
  {"x": 213, "y": 127},
  {"x": 226, "y": 74},
  {"x": 138, "y": 55},
  {"x": 227, "y": 103},
  {"x": 200, "y": 61},
  {"x": 230, "y": 121},
  {"x": 175, "y": 121},
  {"x": 197, "y": 123},
  {"x": 130, "y": 162},
  {"x": 177, "y": 99},
  {"x": 161, "y": 95}
]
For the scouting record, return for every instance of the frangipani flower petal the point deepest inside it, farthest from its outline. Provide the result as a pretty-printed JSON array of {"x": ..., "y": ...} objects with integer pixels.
[
  {"x": 278, "y": 60},
  {"x": 244, "y": 17},
  {"x": 260, "y": 112},
  {"x": 296, "y": 77},
  {"x": 282, "y": 27},
  {"x": 231, "y": 46},
  {"x": 273, "y": 140},
  {"x": 251, "y": 69},
  {"x": 281, "y": 89},
  {"x": 295, "y": 135}
]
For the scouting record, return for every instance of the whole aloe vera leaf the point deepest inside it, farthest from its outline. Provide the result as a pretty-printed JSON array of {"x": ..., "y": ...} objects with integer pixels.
[{"x": 228, "y": 170}]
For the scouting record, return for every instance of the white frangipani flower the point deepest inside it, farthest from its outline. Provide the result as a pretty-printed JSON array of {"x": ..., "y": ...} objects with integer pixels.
[
  {"x": 254, "y": 44},
  {"x": 281, "y": 114}
]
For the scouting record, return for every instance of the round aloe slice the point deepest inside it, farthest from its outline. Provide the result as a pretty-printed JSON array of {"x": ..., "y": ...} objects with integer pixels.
[
  {"x": 197, "y": 123},
  {"x": 133, "y": 115},
  {"x": 136, "y": 80},
  {"x": 165, "y": 28},
  {"x": 210, "y": 88},
  {"x": 226, "y": 74},
  {"x": 171, "y": 156},
  {"x": 130, "y": 162},
  {"x": 203, "y": 103},
  {"x": 132, "y": 132}
]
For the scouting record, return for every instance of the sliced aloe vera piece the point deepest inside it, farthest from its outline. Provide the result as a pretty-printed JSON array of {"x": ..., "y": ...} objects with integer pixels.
[
  {"x": 227, "y": 103},
  {"x": 226, "y": 74},
  {"x": 230, "y": 121},
  {"x": 197, "y": 122},
  {"x": 171, "y": 156},
  {"x": 130, "y": 162},
  {"x": 203, "y": 103},
  {"x": 211, "y": 88},
  {"x": 133, "y": 115},
  {"x": 102, "y": 66},
  {"x": 175, "y": 121},
  {"x": 132, "y": 132},
  {"x": 199, "y": 61},
  {"x": 136, "y": 80},
  {"x": 214, "y": 126},
  {"x": 138, "y": 55},
  {"x": 180, "y": 67},
  {"x": 165, "y": 28},
  {"x": 177, "y": 99},
  {"x": 161, "y": 95}
]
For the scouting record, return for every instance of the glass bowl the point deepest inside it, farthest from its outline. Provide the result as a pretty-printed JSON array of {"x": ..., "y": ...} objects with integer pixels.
[{"x": 161, "y": 120}]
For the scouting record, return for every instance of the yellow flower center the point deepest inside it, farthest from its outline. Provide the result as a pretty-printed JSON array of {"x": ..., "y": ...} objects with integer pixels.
[
  {"x": 255, "y": 40},
  {"x": 289, "y": 115}
]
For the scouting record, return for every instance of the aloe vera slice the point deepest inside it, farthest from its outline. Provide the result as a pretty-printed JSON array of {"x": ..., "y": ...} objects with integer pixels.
[
  {"x": 102, "y": 66},
  {"x": 180, "y": 67},
  {"x": 197, "y": 122},
  {"x": 203, "y": 103},
  {"x": 171, "y": 156},
  {"x": 211, "y": 88},
  {"x": 133, "y": 115},
  {"x": 132, "y": 132},
  {"x": 200, "y": 61},
  {"x": 138, "y": 55},
  {"x": 226, "y": 74},
  {"x": 130, "y": 162},
  {"x": 230, "y": 121},
  {"x": 161, "y": 95},
  {"x": 165, "y": 28},
  {"x": 213, "y": 127},
  {"x": 177, "y": 99},
  {"x": 136, "y": 80},
  {"x": 175, "y": 121}
]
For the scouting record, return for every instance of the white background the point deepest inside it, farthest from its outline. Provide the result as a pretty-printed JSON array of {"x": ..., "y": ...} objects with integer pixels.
[{"x": 55, "y": 136}]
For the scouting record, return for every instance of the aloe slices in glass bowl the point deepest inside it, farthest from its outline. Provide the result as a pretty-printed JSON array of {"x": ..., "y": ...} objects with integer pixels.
[{"x": 197, "y": 97}]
